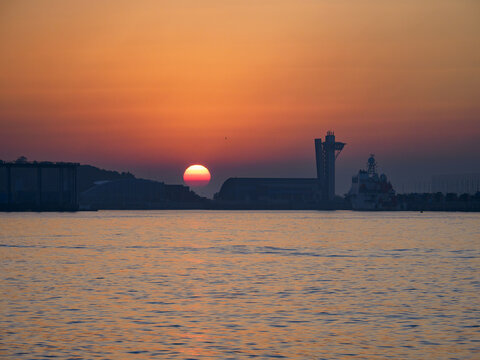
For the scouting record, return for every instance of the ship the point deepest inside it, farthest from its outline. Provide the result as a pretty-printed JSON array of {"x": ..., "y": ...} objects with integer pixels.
[{"x": 370, "y": 191}]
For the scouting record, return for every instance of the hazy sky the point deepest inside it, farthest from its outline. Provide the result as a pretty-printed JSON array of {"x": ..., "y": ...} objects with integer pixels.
[{"x": 242, "y": 87}]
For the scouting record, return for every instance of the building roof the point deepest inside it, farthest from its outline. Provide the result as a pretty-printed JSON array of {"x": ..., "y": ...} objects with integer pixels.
[
  {"x": 37, "y": 164},
  {"x": 270, "y": 180}
]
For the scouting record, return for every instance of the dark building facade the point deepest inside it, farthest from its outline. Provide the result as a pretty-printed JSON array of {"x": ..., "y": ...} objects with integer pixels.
[
  {"x": 38, "y": 186},
  {"x": 281, "y": 192},
  {"x": 326, "y": 154},
  {"x": 294, "y": 193}
]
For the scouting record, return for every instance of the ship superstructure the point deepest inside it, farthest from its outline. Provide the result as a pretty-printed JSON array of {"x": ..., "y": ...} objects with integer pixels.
[{"x": 371, "y": 191}]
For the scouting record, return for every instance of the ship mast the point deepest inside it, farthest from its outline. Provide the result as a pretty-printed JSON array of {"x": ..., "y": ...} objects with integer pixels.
[{"x": 371, "y": 165}]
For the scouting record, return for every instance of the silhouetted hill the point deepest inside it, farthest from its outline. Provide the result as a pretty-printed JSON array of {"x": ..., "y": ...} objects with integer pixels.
[
  {"x": 87, "y": 175},
  {"x": 130, "y": 194},
  {"x": 105, "y": 189}
]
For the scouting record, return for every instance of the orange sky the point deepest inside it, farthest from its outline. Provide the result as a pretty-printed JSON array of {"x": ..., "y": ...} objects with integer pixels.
[{"x": 241, "y": 86}]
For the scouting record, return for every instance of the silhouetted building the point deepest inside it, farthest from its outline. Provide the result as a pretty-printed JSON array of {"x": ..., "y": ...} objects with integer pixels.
[
  {"x": 286, "y": 192},
  {"x": 326, "y": 153},
  {"x": 38, "y": 186},
  {"x": 289, "y": 192},
  {"x": 132, "y": 193}
]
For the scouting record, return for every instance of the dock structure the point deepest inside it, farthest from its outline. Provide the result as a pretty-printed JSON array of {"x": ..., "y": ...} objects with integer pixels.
[{"x": 38, "y": 186}]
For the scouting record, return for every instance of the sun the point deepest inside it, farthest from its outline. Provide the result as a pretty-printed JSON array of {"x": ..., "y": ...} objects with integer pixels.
[{"x": 196, "y": 176}]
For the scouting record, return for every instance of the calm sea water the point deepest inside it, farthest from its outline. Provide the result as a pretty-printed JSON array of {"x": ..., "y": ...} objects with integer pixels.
[{"x": 234, "y": 285}]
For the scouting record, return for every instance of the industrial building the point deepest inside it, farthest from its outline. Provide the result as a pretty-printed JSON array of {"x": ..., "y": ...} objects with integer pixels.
[
  {"x": 271, "y": 192},
  {"x": 289, "y": 193},
  {"x": 38, "y": 186}
]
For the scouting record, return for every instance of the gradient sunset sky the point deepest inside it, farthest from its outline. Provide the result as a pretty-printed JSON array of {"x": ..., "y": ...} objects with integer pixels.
[{"x": 242, "y": 87}]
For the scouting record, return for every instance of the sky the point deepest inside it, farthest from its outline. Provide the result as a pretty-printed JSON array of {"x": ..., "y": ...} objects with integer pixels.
[{"x": 242, "y": 87}]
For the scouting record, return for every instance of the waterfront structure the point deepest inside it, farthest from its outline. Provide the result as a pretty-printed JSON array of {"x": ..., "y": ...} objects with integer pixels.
[
  {"x": 271, "y": 192},
  {"x": 38, "y": 186},
  {"x": 371, "y": 191},
  {"x": 326, "y": 153},
  {"x": 305, "y": 193}
]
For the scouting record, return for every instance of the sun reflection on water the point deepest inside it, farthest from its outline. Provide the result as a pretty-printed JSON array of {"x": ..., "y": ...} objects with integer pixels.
[{"x": 204, "y": 284}]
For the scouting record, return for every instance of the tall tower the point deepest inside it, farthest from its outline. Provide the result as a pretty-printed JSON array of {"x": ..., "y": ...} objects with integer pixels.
[
  {"x": 326, "y": 154},
  {"x": 320, "y": 164}
]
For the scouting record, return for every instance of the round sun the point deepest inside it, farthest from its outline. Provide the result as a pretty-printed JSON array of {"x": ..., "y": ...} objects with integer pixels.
[{"x": 196, "y": 175}]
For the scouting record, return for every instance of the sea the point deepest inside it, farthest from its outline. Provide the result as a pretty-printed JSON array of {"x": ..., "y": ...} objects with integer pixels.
[{"x": 240, "y": 285}]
